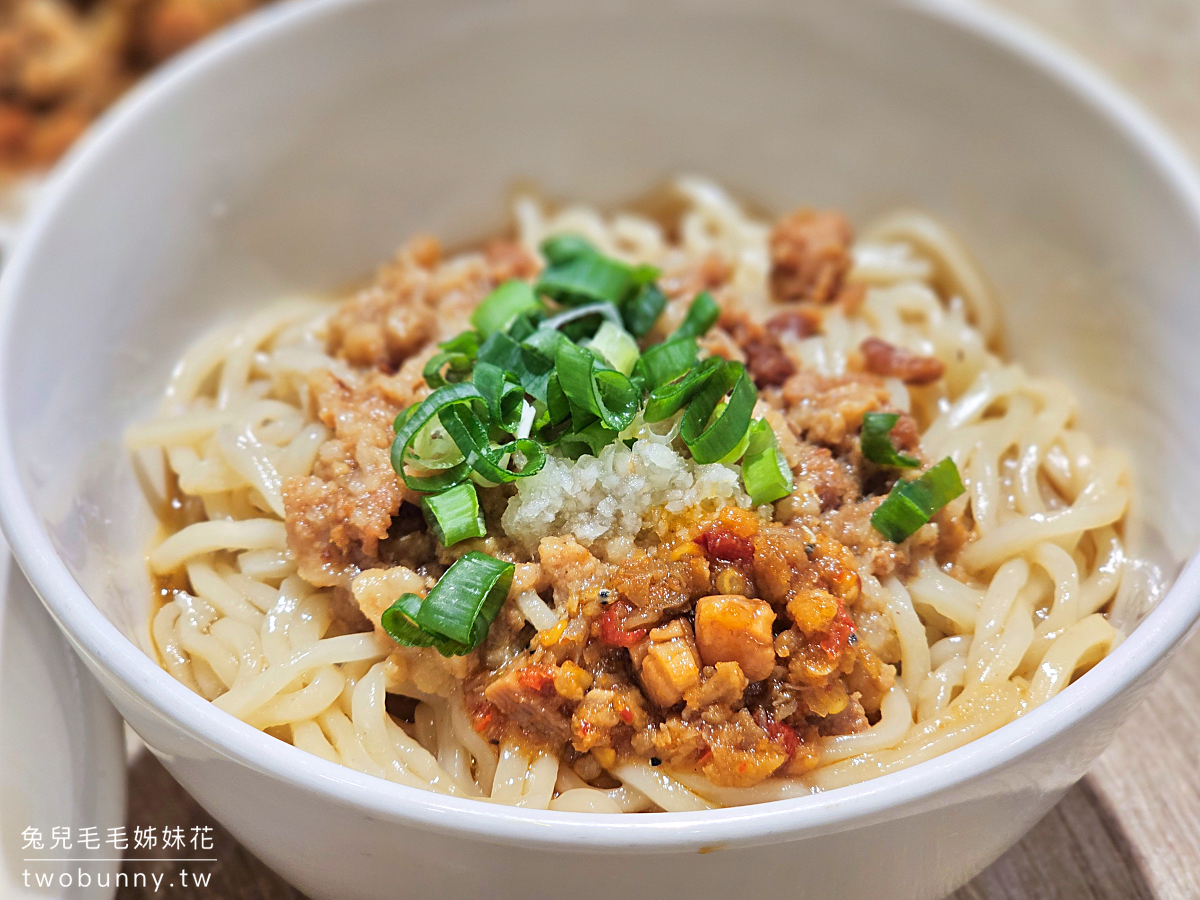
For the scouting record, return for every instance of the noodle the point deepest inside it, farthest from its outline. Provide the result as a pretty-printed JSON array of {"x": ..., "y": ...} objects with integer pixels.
[{"x": 1007, "y": 627}]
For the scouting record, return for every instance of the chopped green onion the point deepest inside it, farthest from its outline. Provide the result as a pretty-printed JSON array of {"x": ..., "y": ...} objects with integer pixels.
[
  {"x": 762, "y": 436},
  {"x": 544, "y": 342},
  {"x": 454, "y": 515},
  {"x": 665, "y": 362},
  {"x": 591, "y": 440},
  {"x": 471, "y": 436},
  {"x": 529, "y": 414},
  {"x": 878, "y": 447},
  {"x": 642, "y": 310},
  {"x": 584, "y": 376},
  {"x": 524, "y": 361},
  {"x": 503, "y": 394},
  {"x": 644, "y": 274},
  {"x": 576, "y": 318},
  {"x": 767, "y": 476},
  {"x": 558, "y": 407},
  {"x": 577, "y": 274},
  {"x": 466, "y": 342},
  {"x": 526, "y": 324},
  {"x": 455, "y": 616},
  {"x": 467, "y": 598},
  {"x": 711, "y": 435},
  {"x": 457, "y": 368},
  {"x": 455, "y": 407},
  {"x": 502, "y": 305},
  {"x": 458, "y": 354},
  {"x": 701, "y": 316},
  {"x": 616, "y": 347},
  {"x": 589, "y": 278},
  {"x": 605, "y": 393},
  {"x": 535, "y": 371},
  {"x": 501, "y": 350},
  {"x": 740, "y": 449},
  {"x": 913, "y": 503},
  {"x": 561, "y": 248},
  {"x": 668, "y": 399},
  {"x": 433, "y": 448},
  {"x": 765, "y": 471},
  {"x": 398, "y": 621},
  {"x": 410, "y": 422}
]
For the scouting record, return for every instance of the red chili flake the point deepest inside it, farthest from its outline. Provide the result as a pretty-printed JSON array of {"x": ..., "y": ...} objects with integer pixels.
[
  {"x": 722, "y": 544},
  {"x": 626, "y": 715},
  {"x": 612, "y": 628},
  {"x": 536, "y": 678},
  {"x": 785, "y": 736},
  {"x": 584, "y": 727},
  {"x": 486, "y": 719},
  {"x": 837, "y": 636},
  {"x": 705, "y": 756}
]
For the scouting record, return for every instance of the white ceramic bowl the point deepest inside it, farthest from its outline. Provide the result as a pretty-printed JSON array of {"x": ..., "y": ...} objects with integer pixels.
[{"x": 297, "y": 150}]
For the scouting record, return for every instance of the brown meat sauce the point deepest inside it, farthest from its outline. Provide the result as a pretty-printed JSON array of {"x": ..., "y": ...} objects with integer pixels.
[{"x": 727, "y": 645}]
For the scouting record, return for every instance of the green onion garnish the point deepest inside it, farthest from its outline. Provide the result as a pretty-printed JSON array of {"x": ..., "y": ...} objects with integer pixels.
[
  {"x": 471, "y": 436},
  {"x": 577, "y": 274},
  {"x": 502, "y": 305},
  {"x": 578, "y": 323},
  {"x": 642, "y": 310},
  {"x": 455, "y": 407},
  {"x": 765, "y": 471},
  {"x": 615, "y": 346},
  {"x": 701, "y": 316},
  {"x": 433, "y": 448},
  {"x": 709, "y": 433},
  {"x": 562, "y": 248},
  {"x": 454, "y": 515},
  {"x": 665, "y": 362},
  {"x": 558, "y": 407},
  {"x": 455, "y": 616},
  {"x": 501, "y": 350},
  {"x": 604, "y": 393},
  {"x": 668, "y": 399},
  {"x": 409, "y": 424},
  {"x": 397, "y": 621},
  {"x": 456, "y": 358},
  {"x": 530, "y": 366},
  {"x": 878, "y": 447},
  {"x": 739, "y": 450},
  {"x": 587, "y": 278},
  {"x": 912, "y": 503},
  {"x": 503, "y": 394},
  {"x": 590, "y": 440}
]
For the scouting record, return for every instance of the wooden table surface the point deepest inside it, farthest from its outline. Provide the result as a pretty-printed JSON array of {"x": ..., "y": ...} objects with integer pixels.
[{"x": 1131, "y": 829}]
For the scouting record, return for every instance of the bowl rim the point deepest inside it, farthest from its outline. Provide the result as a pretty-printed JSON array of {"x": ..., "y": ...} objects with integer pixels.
[{"x": 109, "y": 650}]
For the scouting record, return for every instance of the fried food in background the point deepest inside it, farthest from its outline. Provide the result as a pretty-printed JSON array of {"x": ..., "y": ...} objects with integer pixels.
[{"x": 62, "y": 63}]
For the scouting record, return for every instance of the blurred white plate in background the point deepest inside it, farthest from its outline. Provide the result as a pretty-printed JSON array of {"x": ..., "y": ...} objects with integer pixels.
[{"x": 62, "y": 754}]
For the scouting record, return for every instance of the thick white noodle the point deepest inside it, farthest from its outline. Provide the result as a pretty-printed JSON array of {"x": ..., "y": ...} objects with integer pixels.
[
  {"x": 663, "y": 788},
  {"x": 585, "y": 800},
  {"x": 896, "y": 718},
  {"x": 763, "y": 792}
]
